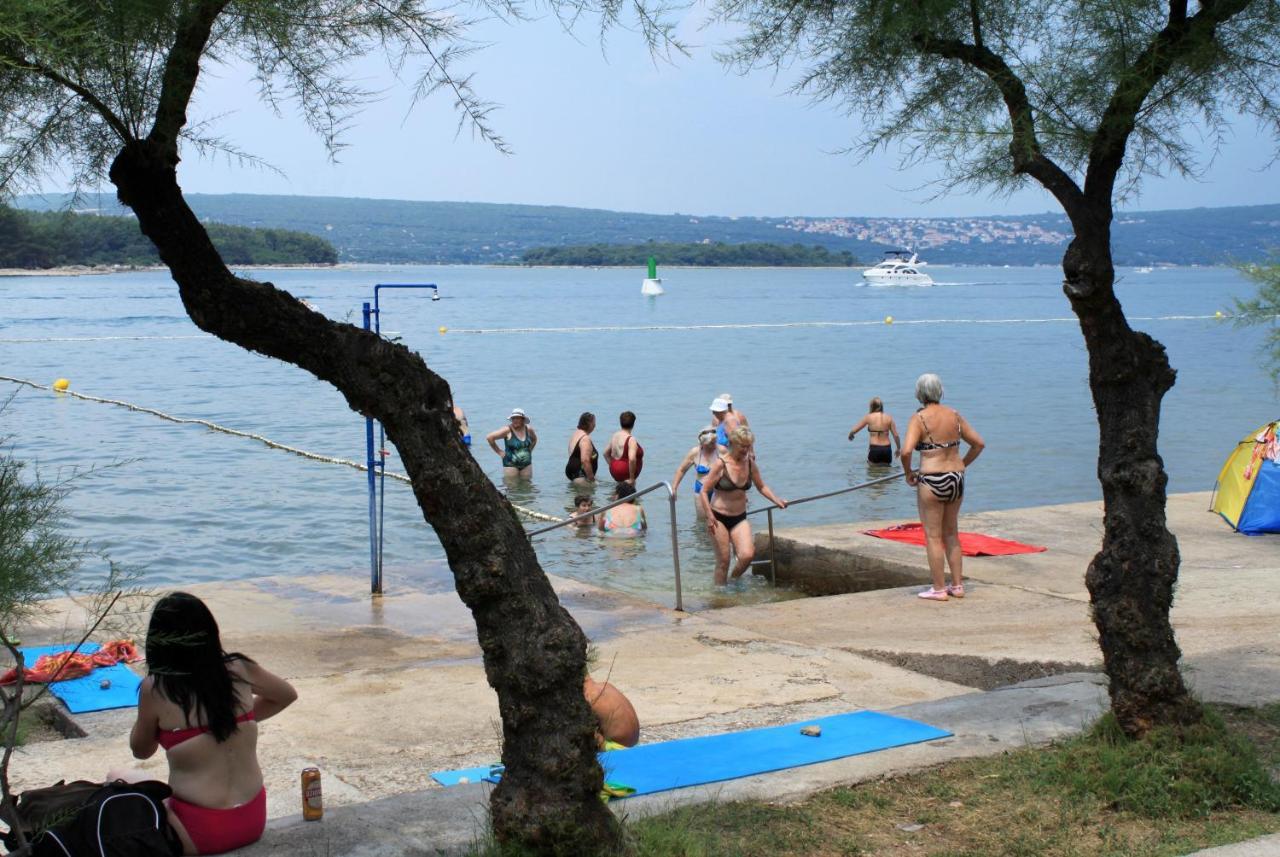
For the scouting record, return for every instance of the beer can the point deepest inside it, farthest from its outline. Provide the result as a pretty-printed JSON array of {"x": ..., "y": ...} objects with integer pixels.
[{"x": 312, "y": 800}]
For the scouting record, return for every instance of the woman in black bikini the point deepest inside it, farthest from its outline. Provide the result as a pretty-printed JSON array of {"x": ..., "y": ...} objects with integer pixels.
[
  {"x": 936, "y": 431},
  {"x": 879, "y": 426},
  {"x": 731, "y": 477}
]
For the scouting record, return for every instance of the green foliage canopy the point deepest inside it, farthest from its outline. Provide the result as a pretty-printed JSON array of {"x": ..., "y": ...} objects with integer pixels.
[
  {"x": 1264, "y": 309},
  {"x": 81, "y": 78},
  {"x": 995, "y": 91}
]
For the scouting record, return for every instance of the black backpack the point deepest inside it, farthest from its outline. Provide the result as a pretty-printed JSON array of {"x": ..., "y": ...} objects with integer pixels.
[{"x": 83, "y": 819}]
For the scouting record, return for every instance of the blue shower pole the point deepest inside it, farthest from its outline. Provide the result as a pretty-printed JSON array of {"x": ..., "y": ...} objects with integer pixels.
[
  {"x": 375, "y": 569},
  {"x": 377, "y": 465}
]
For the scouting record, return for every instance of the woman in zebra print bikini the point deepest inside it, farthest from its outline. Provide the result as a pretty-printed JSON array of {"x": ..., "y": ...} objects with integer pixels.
[{"x": 939, "y": 482}]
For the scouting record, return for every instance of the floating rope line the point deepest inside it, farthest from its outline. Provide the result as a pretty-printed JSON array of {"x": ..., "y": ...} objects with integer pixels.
[
  {"x": 795, "y": 324},
  {"x": 102, "y": 338},
  {"x": 616, "y": 328},
  {"x": 313, "y": 456}
]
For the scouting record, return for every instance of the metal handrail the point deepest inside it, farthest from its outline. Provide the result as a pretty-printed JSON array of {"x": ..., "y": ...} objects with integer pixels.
[
  {"x": 772, "y": 560},
  {"x": 897, "y": 474},
  {"x": 675, "y": 542}
]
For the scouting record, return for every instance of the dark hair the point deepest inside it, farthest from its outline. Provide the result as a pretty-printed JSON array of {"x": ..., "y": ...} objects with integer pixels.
[
  {"x": 876, "y": 406},
  {"x": 627, "y": 419},
  {"x": 624, "y": 490},
  {"x": 187, "y": 663},
  {"x": 580, "y": 499},
  {"x": 586, "y": 419}
]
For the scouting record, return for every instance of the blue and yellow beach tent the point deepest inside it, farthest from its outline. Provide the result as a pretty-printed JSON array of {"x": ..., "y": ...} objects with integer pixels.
[{"x": 1248, "y": 491}]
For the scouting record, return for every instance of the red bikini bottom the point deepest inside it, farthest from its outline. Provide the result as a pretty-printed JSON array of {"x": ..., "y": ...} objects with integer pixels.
[{"x": 217, "y": 830}]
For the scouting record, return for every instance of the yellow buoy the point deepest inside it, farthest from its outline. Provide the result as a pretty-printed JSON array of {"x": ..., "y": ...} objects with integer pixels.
[
  {"x": 1218, "y": 314},
  {"x": 888, "y": 319},
  {"x": 61, "y": 385},
  {"x": 444, "y": 329}
]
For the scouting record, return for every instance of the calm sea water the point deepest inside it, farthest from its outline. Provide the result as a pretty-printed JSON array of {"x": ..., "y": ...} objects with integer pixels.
[{"x": 195, "y": 505}]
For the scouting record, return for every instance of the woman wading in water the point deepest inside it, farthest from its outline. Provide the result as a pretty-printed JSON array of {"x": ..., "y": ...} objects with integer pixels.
[
  {"x": 518, "y": 440},
  {"x": 879, "y": 426},
  {"x": 936, "y": 431},
  {"x": 730, "y": 478},
  {"x": 584, "y": 461}
]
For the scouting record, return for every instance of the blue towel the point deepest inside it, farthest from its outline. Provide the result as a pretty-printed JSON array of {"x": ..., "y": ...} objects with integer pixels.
[
  {"x": 86, "y": 693},
  {"x": 650, "y": 768},
  {"x": 474, "y": 775}
]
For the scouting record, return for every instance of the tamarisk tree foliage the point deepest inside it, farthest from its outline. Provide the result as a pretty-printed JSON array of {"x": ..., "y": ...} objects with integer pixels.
[
  {"x": 1085, "y": 99},
  {"x": 103, "y": 88},
  {"x": 1264, "y": 309}
]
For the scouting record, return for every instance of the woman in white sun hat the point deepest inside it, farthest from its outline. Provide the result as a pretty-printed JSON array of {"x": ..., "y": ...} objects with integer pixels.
[{"x": 518, "y": 441}]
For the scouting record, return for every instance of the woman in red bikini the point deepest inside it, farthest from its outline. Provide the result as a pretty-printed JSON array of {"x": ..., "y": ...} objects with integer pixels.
[{"x": 203, "y": 706}]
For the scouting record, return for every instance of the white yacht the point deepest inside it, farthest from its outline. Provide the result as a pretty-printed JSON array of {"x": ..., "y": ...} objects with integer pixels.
[{"x": 898, "y": 270}]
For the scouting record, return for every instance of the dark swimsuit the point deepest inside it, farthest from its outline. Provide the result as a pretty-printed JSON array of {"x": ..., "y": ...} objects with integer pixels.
[
  {"x": 724, "y": 483},
  {"x": 573, "y": 469},
  {"x": 519, "y": 451},
  {"x": 879, "y": 453},
  {"x": 948, "y": 487}
]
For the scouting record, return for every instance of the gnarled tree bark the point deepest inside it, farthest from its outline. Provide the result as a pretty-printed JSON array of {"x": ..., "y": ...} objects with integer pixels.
[
  {"x": 1131, "y": 579},
  {"x": 534, "y": 652}
]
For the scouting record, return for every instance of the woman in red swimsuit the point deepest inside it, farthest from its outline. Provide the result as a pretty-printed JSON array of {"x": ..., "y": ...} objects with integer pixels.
[{"x": 203, "y": 706}]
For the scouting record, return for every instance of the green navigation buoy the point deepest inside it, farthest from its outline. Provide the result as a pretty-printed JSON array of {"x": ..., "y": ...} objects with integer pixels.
[{"x": 652, "y": 286}]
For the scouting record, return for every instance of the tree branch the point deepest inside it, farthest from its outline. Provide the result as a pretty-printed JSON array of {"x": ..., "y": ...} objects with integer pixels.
[
  {"x": 181, "y": 70},
  {"x": 1177, "y": 41},
  {"x": 1024, "y": 148},
  {"x": 108, "y": 115}
]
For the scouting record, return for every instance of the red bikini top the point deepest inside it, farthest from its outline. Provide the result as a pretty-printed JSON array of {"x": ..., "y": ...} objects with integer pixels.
[{"x": 170, "y": 738}]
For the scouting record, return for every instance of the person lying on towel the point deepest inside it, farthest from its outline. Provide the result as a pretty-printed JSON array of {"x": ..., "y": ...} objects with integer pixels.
[{"x": 618, "y": 721}]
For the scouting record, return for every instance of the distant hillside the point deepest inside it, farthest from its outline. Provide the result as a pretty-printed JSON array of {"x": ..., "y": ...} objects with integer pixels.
[
  {"x": 370, "y": 230},
  {"x": 708, "y": 255},
  {"x": 31, "y": 239}
]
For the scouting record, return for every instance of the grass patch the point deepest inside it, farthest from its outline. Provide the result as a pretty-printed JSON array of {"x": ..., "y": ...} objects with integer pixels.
[{"x": 1097, "y": 794}]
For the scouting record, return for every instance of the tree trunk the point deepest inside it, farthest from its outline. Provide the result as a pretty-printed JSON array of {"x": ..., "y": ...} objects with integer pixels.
[
  {"x": 1131, "y": 580},
  {"x": 534, "y": 652}
]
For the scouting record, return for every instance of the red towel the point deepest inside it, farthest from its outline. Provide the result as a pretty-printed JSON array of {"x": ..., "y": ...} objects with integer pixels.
[{"x": 972, "y": 544}]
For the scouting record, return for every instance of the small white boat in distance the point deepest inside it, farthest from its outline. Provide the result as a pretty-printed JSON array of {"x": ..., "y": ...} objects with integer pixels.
[{"x": 898, "y": 270}]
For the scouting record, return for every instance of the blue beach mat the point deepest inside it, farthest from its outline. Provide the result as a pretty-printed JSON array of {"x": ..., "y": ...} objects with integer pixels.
[
  {"x": 650, "y": 768},
  {"x": 86, "y": 693},
  {"x": 471, "y": 775}
]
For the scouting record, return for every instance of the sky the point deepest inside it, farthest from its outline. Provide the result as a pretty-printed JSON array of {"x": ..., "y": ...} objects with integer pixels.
[{"x": 607, "y": 127}]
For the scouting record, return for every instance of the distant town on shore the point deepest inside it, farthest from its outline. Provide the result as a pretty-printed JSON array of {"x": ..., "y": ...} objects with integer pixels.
[{"x": 396, "y": 231}]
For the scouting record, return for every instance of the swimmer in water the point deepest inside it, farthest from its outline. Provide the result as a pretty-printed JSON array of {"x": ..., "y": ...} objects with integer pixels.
[
  {"x": 699, "y": 458},
  {"x": 879, "y": 426},
  {"x": 519, "y": 439}
]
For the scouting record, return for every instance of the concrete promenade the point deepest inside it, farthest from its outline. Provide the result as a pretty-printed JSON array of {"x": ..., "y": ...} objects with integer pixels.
[{"x": 392, "y": 688}]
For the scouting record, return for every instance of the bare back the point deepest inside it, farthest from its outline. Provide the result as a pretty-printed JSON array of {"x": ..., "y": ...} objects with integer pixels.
[
  {"x": 937, "y": 431},
  {"x": 202, "y": 770}
]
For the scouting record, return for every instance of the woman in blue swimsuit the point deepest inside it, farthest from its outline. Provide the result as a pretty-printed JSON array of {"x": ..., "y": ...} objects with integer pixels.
[
  {"x": 518, "y": 440},
  {"x": 700, "y": 459}
]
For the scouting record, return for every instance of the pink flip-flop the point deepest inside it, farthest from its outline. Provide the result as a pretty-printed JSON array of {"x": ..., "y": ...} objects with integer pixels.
[
  {"x": 956, "y": 591},
  {"x": 932, "y": 594}
]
